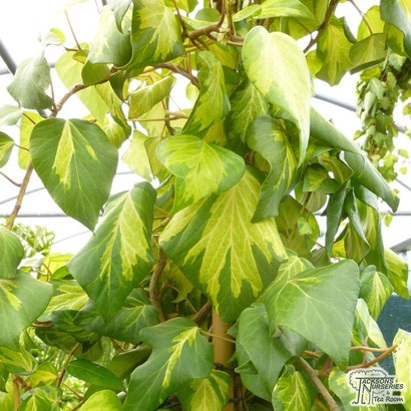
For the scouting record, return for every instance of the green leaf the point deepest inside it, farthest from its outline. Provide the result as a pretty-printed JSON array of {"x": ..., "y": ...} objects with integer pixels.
[
  {"x": 268, "y": 354},
  {"x": 155, "y": 34},
  {"x": 136, "y": 313},
  {"x": 68, "y": 295},
  {"x": 212, "y": 103},
  {"x": 368, "y": 52},
  {"x": 284, "y": 8},
  {"x": 28, "y": 121},
  {"x": 17, "y": 361},
  {"x": 93, "y": 373},
  {"x": 398, "y": 13},
  {"x": 371, "y": 23},
  {"x": 402, "y": 363},
  {"x": 201, "y": 169},
  {"x": 356, "y": 243},
  {"x": 364, "y": 172},
  {"x": 270, "y": 140},
  {"x": 45, "y": 374},
  {"x": 6, "y": 147},
  {"x": 339, "y": 384},
  {"x": 205, "y": 394},
  {"x": 9, "y": 115},
  {"x": 119, "y": 255},
  {"x": 12, "y": 253},
  {"x": 290, "y": 88},
  {"x": 333, "y": 48},
  {"x": 93, "y": 73},
  {"x": 220, "y": 251},
  {"x": 247, "y": 103},
  {"x": 136, "y": 156},
  {"x": 118, "y": 132},
  {"x": 77, "y": 163},
  {"x": 179, "y": 354},
  {"x": 31, "y": 80},
  {"x": 334, "y": 213},
  {"x": 119, "y": 8},
  {"x": 22, "y": 301},
  {"x": 317, "y": 179},
  {"x": 375, "y": 289},
  {"x": 104, "y": 400},
  {"x": 306, "y": 304},
  {"x": 293, "y": 392},
  {"x": 144, "y": 99},
  {"x": 246, "y": 12},
  {"x": 70, "y": 72},
  {"x": 110, "y": 45},
  {"x": 36, "y": 403},
  {"x": 366, "y": 329},
  {"x": 397, "y": 273}
]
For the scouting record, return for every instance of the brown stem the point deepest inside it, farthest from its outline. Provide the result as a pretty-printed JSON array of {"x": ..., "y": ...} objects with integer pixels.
[
  {"x": 176, "y": 68},
  {"x": 16, "y": 393},
  {"x": 365, "y": 348},
  {"x": 73, "y": 391},
  {"x": 363, "y": 16},
  {"x": 66, "y": 361},
  {"x": 369, "y": 364},
  {"x": 330, "y": 10},
  {"x": 60, "y": 104},
  {"x": 318, "y": 383},
  {"x": 153, "y": 289},
  {"x": 9, "y": 179},
  {"x": 202, "y": 313},
  {"x": 223, "y": 349},
  {"x": 72, "y": 31},
  {"x": 20, "y": 196}
]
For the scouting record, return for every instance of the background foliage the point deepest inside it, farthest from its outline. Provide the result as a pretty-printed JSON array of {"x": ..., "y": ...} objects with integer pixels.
[{"x": 207, "y": 286}]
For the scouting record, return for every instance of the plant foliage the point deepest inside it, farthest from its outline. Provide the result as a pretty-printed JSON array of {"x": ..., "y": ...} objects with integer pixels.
[{"x": 209, "y": 284}]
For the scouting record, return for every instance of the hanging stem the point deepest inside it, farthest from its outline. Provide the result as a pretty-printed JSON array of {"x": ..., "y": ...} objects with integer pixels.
[
  {"x": 318, "y": 383},
  {"x": 155, "y": 279},
  {"x": 20, "y": 196}
]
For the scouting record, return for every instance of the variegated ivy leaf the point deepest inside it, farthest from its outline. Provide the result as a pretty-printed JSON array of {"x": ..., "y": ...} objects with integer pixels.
[
  {"x": 375, "y": 289},
  {"x": 180, "y": 353},
  {"x": 275, "y": 64},
  {"x": 104, "y": 400},
  {"x": 119, "y": 8},
  {"x": 77, "y": 163},
  {"x": 119, "y": 255},
  {"x": 267, "y": 354},
  {"x": 269, "y": 139},
  {"x": 22, "y": 300},
  {"x": 31, "y": 80},
  {"x": 12, "y": 252},
  {"x": 110, "y": 45},
  {"x": 135, "y": 314},
  {"x": 70, "y": 71},
  {"x": 144, "y": 99},
  {"x": 201, "y": 169},
  {"x": 398, "y": 13},
  {"x": 306, "y": 302},
  {"x": 212, "y": 104},
  {"x": 293, "y": 391},
  {"x": 155, "y": 34},
  {"x": 6, "y": 147},
  {"x": 402, "y": 363},
  {"x": 340, "y": 384},
  {"x": 207, "y": 393},
  {"x": 366, "y": 329},
  {"x": 221, "y": 251},
  {"x": 247, "y": 103}
]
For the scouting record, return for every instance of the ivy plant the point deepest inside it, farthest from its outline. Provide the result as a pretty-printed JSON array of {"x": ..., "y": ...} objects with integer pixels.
[{"x": 208, "y": 285}]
